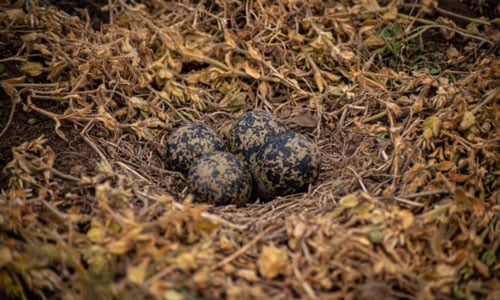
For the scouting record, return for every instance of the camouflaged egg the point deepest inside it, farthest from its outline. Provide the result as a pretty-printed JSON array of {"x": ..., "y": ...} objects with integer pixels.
[
  {"x": 188, "y": 143},
  {"x": 285, "y": 165},
  {"x": 220, "y": 178},
  {"x": 251, "y": 131}
]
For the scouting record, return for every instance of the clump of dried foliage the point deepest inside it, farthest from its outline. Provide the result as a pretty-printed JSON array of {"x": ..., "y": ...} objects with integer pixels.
[{"x": 402, "y": 101}]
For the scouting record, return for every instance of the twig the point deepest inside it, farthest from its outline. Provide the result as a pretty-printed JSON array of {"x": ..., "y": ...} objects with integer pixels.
[
  {"x": 409, "y": 202},
  {"x": 83, "y": 134},
  {"x": 374, "y": 117},
  {"x": 36, "y": 85},
  {"x": 431, "y": 24},
  {"x": 245, "y": 247},
  {"x": 215, "y": 218},
  {"x": 360, "y": 180},
  {"x": 305, "y": 285},
  {"x": 156, "y": 277},
  {"x": 11, "y": 116},
  {"x": 423, "y": 194},
  {"x": 492, "y": 94},
  {"x": 459, "y": 16}
]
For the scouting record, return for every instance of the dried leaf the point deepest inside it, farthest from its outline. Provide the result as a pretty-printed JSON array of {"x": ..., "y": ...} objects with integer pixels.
[
  {"x": 193, "y": 54},
  {"x": 229, "y": 39},
  {"x": 119, "y": 247},
  {"x": 363, "y": 208},
  {"x": 445, "y": 165},
  {"x": 172, "y": 295},
  {"x": 373, "y": 41},
  {"x": 304, "y": 120},
  {"x": 96, "y": 234},
  {"x": 32, "y": 69},
  {"x": 350, "y": 201},
  {"x": 5, "y": 256},
  {"x": 272, "y": 261},
  {"x": 137, "y": 274},
  {"x": 468, "y": 120},
  {"x": 233, "y": 101},
  {"x": 250, "y": 275},
  {"x": 253, "y": 52},
  {"x": 391, "y": 13},
  {"x": 56, "y": 70},
  {"x": 330, "y": 76},
  {"x": 15, "y": 15},
  {"x": 251, "y": 71},
  {"x": 137, "y": 102},
  {"x": 406, "y": 217},
  {"x": 29, "y": 37},
  {"x": 187, "y": 261},
  {"x": 320, "y": 82},
  {"x": 265, "y": 89}
]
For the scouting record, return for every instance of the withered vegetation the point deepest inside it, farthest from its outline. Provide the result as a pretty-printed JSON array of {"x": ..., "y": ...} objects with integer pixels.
[{"x": 401, "y": 97}]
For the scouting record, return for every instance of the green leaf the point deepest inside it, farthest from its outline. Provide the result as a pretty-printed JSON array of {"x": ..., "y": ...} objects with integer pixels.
[
  {"x": 396, "y": 29},
  {"x": 435, "y": 70},
  {"x": 489, "y": 257},
  {"x": 376, "y": 236}
]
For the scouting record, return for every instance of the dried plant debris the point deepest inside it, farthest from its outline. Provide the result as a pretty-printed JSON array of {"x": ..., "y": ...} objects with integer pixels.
[{"x": 401, "y": 98}]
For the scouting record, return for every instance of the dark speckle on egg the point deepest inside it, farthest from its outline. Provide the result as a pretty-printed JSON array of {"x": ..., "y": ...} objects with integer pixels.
[
  {"x": 220, "y": 178},
  {"x": 188, "y": 143},
  {"x": 285, "y": 165},
  {"x": 251, "y": 131}
]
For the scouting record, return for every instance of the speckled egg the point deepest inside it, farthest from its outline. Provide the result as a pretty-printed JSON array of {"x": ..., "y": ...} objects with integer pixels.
[
  {"x": 188, "y": 143},
  {"x": 285, "y": 165},
  {"x": 251, "y": 131},
  {"x": 220, "y": 178}
]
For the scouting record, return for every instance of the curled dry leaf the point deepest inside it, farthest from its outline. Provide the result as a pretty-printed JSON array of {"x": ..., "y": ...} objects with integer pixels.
[{"x": 468, "y": 120}]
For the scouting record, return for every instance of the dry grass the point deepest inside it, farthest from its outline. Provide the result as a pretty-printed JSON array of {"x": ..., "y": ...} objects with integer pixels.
[{"x": 403, "y": 105}]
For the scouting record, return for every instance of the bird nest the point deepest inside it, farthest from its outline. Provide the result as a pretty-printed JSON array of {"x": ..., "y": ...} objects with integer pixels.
[{"x": 401, "y": 98}]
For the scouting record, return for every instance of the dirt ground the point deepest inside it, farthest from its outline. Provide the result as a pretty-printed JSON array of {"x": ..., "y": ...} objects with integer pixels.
[{"x": 400, "y": 96}]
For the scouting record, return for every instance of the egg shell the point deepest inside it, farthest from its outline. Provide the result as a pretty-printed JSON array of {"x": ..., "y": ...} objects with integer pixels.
[
  {"x": 220, "y": 178},
  {"x": 188, "y": 143},
  {"x": 285, "y": 165},
  {"x": 251, "y": 131}
]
